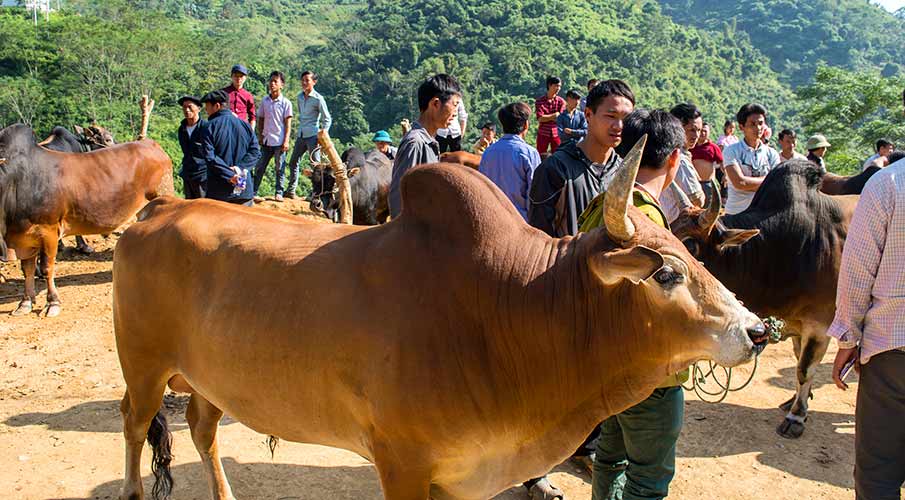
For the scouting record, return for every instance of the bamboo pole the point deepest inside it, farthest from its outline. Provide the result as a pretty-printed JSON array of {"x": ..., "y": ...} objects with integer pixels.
[
  {"x": 146, "y": 104},
  {"x": 342, "y": 177}
]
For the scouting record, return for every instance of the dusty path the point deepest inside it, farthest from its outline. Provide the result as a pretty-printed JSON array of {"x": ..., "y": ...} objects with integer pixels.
[{"x": 60, "y": 438}]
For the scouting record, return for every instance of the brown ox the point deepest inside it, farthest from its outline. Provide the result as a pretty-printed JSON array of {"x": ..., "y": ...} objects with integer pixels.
[
  {"x": 45, "y": 195},
  {"x": 432, "y": 371},
  {"x": 788, "y": 271},
  {"x": 462, "y": 158}
]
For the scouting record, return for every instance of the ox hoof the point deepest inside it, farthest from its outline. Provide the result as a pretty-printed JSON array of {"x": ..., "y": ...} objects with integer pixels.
[
  {"x": 25, "y": 307},
  {"x": 790, "y": 429},
  {"x": 52, "y": 310}
]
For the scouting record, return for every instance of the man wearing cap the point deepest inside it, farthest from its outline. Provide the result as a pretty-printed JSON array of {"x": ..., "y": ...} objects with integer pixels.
[
  {"x": 817, "y": 146},
  {"x": 231, "y": 150},
  {"x": 191, "y": 139},
  {"x": 383, "y": 143},
  {"x": 241, "y": 102},
  {"x": 313, "y": 117}
]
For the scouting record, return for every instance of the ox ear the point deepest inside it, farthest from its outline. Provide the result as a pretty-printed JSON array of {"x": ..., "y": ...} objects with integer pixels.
[
  {"x": 354, "y": 171},
  {"x": 635, "y": 264},
  {"x": 735, "y": 237}
]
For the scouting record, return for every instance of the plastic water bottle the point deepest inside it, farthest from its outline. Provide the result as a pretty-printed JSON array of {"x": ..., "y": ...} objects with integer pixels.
[{"x": 243, "y": 181}]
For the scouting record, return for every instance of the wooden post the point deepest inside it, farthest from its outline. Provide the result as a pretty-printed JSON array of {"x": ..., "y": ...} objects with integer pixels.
[
  {"x": 342, "y": 177},
  {"x": 146, "y": 104}
]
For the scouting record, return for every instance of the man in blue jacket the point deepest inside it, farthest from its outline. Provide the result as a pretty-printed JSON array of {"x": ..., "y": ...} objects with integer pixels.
[
  {"x": 191, "y": 139},
  {"x": 232, "y": 152}
]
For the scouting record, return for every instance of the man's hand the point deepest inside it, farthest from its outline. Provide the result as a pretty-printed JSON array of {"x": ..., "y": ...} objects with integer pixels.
[
  {"x": 568, "y": 131},
  {"x": 285, "y": 147},
  {"x": 235, "y": 178},
  {"x": 842, "y": 357}
]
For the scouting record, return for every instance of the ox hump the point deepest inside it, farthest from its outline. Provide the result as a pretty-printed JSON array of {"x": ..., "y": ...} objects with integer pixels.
[{"x": 453, "y": 196}]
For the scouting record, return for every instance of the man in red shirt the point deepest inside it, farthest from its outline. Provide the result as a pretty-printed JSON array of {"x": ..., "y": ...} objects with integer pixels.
[
  {"x": 241, "y": 102},
  {"x": 707, "y": 159},
  {"x": 547, "y": 107}
]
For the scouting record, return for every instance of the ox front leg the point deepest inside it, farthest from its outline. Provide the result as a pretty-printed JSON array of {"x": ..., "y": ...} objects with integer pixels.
[
  {"x": 53, "y": 306},
  {"x": 203, "y": 419},
  {"x": 813, "y": 347},
  {"x": 28, "y": 301}
]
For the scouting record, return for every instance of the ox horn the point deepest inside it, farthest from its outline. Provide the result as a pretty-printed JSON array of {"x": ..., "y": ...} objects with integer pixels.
[
  {"x": 619, "y": 195},
  {"x": 709, "y": 216}
]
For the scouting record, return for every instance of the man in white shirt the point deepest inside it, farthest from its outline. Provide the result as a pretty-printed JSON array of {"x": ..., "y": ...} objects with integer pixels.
[
  {"x": 870, "y": 305},
  {"x": 881, "y": 158},
  {"x": 748, "y": 161},
  {"x": 787, "y": 142},
  {"x": 450, "y": 138},
  {"x": 686, "y": 178},
  {"x": 273, "y": 124}
]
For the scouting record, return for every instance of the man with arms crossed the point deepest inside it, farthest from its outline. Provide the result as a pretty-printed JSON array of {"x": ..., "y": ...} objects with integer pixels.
[{"x": 748, "y": 161}]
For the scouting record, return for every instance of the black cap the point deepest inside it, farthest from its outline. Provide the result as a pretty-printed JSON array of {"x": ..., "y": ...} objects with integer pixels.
[
  {"x": 191, "y": 99},
  {"x": 215, "y": 96},
  {"x": 239, "y": 69}
]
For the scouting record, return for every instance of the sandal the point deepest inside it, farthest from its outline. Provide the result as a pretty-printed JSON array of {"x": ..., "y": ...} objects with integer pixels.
[{"x": 543, "y": 490}]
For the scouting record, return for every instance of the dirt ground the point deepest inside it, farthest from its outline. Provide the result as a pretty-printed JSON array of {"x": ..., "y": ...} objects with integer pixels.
[{"x": 60, "y": 429}]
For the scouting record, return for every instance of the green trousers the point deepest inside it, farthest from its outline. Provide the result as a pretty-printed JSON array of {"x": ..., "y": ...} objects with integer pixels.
[{"x": 636, "y": 453}]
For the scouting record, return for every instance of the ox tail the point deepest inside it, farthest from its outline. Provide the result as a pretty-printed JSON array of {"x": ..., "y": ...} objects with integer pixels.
[{"x": 161, "y": 441}]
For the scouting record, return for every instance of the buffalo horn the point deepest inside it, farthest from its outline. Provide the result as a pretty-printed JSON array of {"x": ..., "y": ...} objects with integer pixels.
[{"x": 619, "y": 196}]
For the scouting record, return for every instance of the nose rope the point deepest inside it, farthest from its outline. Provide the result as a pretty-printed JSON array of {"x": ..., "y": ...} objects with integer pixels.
[
  {"x": 701, "y": 376},
  {"x": 699, "y": 379}
]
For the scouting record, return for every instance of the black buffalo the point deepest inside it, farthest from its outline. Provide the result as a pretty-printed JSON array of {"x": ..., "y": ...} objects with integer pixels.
[
  {"x": 782, "y": 257},
  {"x": 369, "y": 180}
]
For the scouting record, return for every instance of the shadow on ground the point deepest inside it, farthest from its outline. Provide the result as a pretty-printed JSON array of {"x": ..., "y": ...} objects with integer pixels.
[
  {"x": 11, "y": 291},
  {"x": 103, "y": 416}
]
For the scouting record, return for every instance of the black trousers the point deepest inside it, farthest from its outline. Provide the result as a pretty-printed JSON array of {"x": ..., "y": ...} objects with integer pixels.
[
  {"x": 450, "y": 143},
  {"x": 879, "y": 431},
  {"x": 193, "y": 189}
]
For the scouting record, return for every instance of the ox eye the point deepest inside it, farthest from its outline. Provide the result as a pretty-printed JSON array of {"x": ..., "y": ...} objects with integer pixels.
[{"x": 668, "y": 276}]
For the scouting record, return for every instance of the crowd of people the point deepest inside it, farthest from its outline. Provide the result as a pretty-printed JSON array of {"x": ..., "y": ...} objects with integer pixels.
[{"x": 557, "y": 185}]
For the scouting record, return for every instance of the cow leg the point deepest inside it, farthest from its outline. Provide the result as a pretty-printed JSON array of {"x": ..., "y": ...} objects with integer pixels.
[
  {"x": 796, "y": 348},
  {"x": 813, "y": 346},
  {"x": 203, "y": 419},
  {"x": 53, "y": 306},
  {"x": 402, "y": 476},
  {"x": 139, "y": 409},
  {"x": 82, "y": 246},
  {"x": 27, "y": 303}
]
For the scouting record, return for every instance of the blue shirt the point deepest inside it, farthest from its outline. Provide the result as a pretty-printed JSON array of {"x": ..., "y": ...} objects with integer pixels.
[
  {"x": 510, "y": 164},
  {"x": 575, "y": 121},
  {"x": 228, "y": 142},
  {"x": 313, "y": 114}
]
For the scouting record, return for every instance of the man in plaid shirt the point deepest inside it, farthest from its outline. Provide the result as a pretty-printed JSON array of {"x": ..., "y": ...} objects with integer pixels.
[{"x": 870, "y": 329}]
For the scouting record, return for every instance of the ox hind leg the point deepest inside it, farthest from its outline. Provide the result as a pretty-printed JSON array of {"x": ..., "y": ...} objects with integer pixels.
[
  {"x": 53, "y": 306},
  {"x": 28, "y": 301},
  {"x": 810, "y": 351},
  {"x": 204, "y": 419},
  {"x": 142, "y": 419}
]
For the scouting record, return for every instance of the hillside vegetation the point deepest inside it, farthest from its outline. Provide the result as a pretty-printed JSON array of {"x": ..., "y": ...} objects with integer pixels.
[{"x": 93, "y": 60}]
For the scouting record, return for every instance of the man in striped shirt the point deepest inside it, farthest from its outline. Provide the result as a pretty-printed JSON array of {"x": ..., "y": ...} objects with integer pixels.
[{"x": 870, "y": 329}]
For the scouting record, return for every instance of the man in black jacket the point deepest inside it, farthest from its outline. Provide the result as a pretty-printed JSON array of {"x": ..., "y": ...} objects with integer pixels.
[
  {"x": 231, "y": 152},
  {"x": 566, "y": 182},
  {"x": 191, "y": 139}
]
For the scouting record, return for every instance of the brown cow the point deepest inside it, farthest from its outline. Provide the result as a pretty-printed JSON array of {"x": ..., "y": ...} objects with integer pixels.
[
  {"x": 789, "y": 267},
  {"x": 428, "y": 364},
  {"x": 45, "y": 195},
  {"x": 462, "y": 158}
]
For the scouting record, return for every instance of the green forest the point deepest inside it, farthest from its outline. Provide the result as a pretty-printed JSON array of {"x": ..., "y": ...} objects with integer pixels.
[{"x": 831, "y": 66}]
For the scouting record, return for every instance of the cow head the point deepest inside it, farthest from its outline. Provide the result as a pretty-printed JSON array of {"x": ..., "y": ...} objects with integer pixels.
[
  {"x": 95, "y": 136},
  {"x": 687, "y": 308},
  {"x": 702, "y": 233},
  {"x": 323, "y": 184}
]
